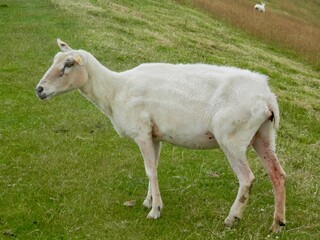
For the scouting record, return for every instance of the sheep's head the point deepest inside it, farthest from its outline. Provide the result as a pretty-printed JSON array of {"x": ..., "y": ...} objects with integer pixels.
[{"x": 66, "y": 73}]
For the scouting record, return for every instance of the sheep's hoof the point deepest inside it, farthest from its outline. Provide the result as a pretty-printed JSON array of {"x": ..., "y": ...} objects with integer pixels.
[
  {"x": 276, "y": 226},
  {"x": 230, "y": 222},
  {"x": 154, "y": 214},
  {"x": 147, "y": 203}
]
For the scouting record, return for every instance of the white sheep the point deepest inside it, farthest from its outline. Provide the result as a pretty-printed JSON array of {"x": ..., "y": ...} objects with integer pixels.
[
  {"x": 195, "y": 106},
  {"x": 260, "y": 7}
]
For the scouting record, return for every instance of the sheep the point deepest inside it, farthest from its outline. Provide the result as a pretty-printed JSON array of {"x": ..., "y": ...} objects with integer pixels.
[
  {"x": 195, "y": 106},
  {"x": 260, "y": 7}
]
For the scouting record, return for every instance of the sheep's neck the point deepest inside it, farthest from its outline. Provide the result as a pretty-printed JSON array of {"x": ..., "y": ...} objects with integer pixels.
[{"x": 101, "y": 86}]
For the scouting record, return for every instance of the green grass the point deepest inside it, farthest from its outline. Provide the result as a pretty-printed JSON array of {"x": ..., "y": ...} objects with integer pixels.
[{"x": 65, "y": 174}]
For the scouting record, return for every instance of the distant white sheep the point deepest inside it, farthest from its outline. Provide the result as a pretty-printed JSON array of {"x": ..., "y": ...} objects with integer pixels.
[
  {"x": 260, "y": 7},
  {"x": 190, "y": 105}
]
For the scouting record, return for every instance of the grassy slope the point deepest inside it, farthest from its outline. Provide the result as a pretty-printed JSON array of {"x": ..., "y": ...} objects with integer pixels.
[
  {"x": 293, "y": 25},
  {"x": 64, "y": 174}
]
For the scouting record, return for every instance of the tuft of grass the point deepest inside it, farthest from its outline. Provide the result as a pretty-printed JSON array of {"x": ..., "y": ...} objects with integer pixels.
[{"x": 65, "y": 174}]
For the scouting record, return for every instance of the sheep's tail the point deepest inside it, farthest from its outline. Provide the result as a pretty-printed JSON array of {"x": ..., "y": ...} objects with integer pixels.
[
  {"x": 274, "y": 108},
  {"x": 271, "y": 119}
]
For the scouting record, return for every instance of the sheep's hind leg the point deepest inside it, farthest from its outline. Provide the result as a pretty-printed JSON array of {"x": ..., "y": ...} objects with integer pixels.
[
  {"x": 245, "y": 176},
  {"x": 236, "y": 154},
  {"x": 265, "y": 150}
]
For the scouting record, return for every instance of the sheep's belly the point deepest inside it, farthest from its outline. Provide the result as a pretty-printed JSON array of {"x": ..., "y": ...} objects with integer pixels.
[{"x": 204, "y": 140}]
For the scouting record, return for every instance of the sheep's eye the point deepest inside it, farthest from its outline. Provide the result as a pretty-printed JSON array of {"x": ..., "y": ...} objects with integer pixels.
[{"x": 68, "y": 64}]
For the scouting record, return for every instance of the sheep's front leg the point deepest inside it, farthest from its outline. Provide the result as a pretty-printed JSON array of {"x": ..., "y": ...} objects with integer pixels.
[
  {"x": 148, "y": 201},
  {"x": 150, "y": 151}
]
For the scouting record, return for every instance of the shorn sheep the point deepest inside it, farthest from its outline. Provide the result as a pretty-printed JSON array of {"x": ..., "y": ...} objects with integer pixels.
[
  {"x": 195, "y": 106},
  {"x": 260, "y": 7}
]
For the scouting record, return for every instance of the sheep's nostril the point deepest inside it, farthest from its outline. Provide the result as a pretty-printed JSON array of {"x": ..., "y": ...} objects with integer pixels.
[{"x": 39, "y": 89}]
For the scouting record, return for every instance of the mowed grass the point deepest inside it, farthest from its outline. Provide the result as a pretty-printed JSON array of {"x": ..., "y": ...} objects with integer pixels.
[
  {"x": 293, "y": 25},
  {"x": 65, "y": 174}
]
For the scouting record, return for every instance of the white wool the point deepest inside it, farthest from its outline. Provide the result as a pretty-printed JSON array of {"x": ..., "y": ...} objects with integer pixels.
[{"x": 260, "y": 7}]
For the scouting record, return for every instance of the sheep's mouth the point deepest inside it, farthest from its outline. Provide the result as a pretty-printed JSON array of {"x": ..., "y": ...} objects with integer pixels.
[
  {"x": 45, "y": 96},
  {"x": 41, "y": 93}
]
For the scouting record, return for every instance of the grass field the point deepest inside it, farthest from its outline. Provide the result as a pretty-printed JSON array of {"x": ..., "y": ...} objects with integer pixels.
[
  {"x": 293, "y": 25},
  {"x": 65, "y": 174}
]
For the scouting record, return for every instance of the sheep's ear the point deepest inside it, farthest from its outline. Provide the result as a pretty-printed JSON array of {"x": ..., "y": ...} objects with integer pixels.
[
  {"x": 63, "y": 46},
  {"x": 78, "y": 59}
]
